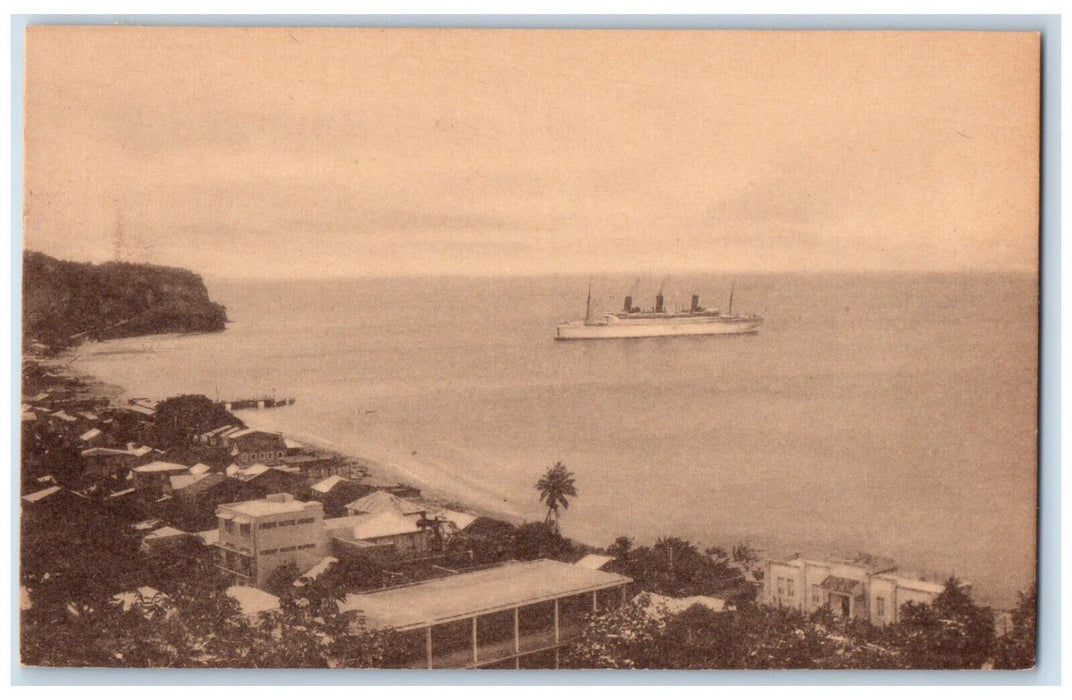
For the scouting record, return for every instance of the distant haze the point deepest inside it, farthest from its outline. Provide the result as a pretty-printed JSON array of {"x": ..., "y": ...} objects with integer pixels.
[{"x": 271, "y": 152}]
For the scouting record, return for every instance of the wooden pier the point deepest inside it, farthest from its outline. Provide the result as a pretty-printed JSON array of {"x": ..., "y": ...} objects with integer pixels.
[{"x": 257, "y": 402}]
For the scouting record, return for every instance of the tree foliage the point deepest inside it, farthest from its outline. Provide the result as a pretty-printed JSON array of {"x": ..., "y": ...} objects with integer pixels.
[
  {"x": 675, "y": 567},
  {"x": 179, "y": 419},
  {"x": 1016, "y": 650},
  {"x": 556, "y": 486},
  {"x": 63, "y": 300},
  {"x": 954, "y": 633}
]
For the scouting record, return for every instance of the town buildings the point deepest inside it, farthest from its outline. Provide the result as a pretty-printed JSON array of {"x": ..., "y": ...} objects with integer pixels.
[{"x": 864, "y": 588}]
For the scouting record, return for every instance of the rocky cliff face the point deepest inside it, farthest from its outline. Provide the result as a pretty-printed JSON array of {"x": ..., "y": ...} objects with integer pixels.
[{"x": 64, "y": 302}]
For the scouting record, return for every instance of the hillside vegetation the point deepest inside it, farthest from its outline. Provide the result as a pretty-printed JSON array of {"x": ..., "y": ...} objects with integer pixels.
[{"x": 64, "y": 302}]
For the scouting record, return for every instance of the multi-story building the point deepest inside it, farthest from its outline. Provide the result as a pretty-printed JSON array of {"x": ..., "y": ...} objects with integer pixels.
[
  {"x": 864, "y": 588},
  {"x": 257, "y": 537},
  {"x": 256, "y": 447}
]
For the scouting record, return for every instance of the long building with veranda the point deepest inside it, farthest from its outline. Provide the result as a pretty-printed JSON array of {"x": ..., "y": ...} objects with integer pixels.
[{"x": 514, "y": 615}]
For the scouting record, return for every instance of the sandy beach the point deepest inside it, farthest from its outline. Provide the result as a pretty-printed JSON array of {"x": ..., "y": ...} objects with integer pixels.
[{"x": 437, "y": 485}]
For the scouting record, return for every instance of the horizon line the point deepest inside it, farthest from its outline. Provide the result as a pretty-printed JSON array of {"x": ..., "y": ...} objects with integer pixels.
[{"x": 621, "y": 273}]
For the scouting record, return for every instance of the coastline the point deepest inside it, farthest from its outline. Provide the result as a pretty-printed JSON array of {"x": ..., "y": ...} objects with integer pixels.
[
  {"x": 384, "y": 463},
  {"x": 378, "y": 461}
]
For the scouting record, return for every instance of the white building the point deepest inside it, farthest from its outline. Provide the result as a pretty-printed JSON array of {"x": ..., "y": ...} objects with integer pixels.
[
  {"x": 865, "y": 588},
  {"x": 258, "y": 537}
]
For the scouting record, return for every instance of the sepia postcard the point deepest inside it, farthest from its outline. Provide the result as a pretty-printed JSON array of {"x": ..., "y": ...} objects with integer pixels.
[{"x": 529, "y": 348}]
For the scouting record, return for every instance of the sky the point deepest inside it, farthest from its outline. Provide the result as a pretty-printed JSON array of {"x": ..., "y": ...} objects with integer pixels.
[{"x": 296, "y": 153}]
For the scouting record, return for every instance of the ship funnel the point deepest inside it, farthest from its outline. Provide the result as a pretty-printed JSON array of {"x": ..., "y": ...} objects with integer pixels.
[
  {"x": 628, "y": 304},
  {"x": 695, "y": 303},
  {"x": 659, "y": 303}
]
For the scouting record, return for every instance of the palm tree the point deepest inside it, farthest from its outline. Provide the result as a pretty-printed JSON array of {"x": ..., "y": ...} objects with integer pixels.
[{"x": 554, "y": 486}]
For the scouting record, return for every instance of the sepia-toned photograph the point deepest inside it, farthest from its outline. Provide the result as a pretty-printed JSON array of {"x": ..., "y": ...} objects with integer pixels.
[{"x": 443, "y": 348}]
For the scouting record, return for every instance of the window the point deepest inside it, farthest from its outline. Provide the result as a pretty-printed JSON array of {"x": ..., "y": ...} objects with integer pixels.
[
  {"x": 880, "y": 607},
  {"x": 266, "y": 526},
  {"x": 228, "y": 526},
  {"x": 789, "y": 587},
  {"x": 280, "y": 454},
  {"x": 242, "y": 458},
  {"x": 815, "y": 595},
  {"x": 244, "y": 529},
  {"x": 306, "y": 521},
  {"x": 781, "y": 585}
]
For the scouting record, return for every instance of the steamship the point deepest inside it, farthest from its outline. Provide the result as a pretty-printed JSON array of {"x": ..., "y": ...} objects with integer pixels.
[{"x": 632, "y": 322}]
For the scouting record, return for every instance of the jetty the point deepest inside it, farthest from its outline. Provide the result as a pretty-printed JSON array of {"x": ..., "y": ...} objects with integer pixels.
[{"x": 257, "y": 402}]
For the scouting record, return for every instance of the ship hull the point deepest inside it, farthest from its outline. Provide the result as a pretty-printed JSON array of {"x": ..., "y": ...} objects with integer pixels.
[{"x": 579, "y": 330}]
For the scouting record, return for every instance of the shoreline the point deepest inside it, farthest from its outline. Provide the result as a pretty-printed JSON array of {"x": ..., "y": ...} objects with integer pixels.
[
  {"x": 391, "y": 467},
  {"x": 375, "y": 462}
]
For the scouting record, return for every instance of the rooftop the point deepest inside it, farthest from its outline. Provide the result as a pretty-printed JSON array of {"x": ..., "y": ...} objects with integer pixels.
[
  {"x": 479, "y": 592},
  {"x": 385, "y": 524},
  {"x": 868, "y": 562},
  {"x": 209, "y": 537},
  {"x": 143, "y": 410},
  {"x": 95, "y": 451},
  {"x": 272, "y": 505},
  {"x": 154, "y": 467},
  {"x": 328, "y": 484},
  {"x": 250, "y": 431},
  {"x": 250, "y": 473},
  {"x": 181, "y": 481},
  {"x": 164, "y": 533},
  {"x": 315, "y": 572},
  {"x": 842, "y": 586},
  {"x": 38, "y": 496},
  {"x": 913, "y": 583},
  {"x": 594, "y": 561},
  {"x": 456, "y": 518},
  {"x": 253, "y": 600},
  {"x": 380, "y": 501}
]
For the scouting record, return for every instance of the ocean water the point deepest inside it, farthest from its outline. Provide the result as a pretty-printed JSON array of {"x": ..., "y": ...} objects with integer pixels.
[{"x": 888, "y": 413}]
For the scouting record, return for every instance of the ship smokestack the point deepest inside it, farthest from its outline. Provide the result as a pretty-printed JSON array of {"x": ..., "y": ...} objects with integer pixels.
[
  {"x": 659, "y": 303},
  {"x": 628, "y": 304},
  {"x": 695, "y": 303}
]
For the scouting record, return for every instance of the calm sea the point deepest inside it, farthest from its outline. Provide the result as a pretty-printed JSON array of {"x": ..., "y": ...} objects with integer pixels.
[{"x": 893, "y": 414}]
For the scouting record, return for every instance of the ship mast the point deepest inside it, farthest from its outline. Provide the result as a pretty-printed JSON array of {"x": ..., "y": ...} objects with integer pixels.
[
  {"x": 729, "y": 312},
  {"x": 588, "y": 304}
]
